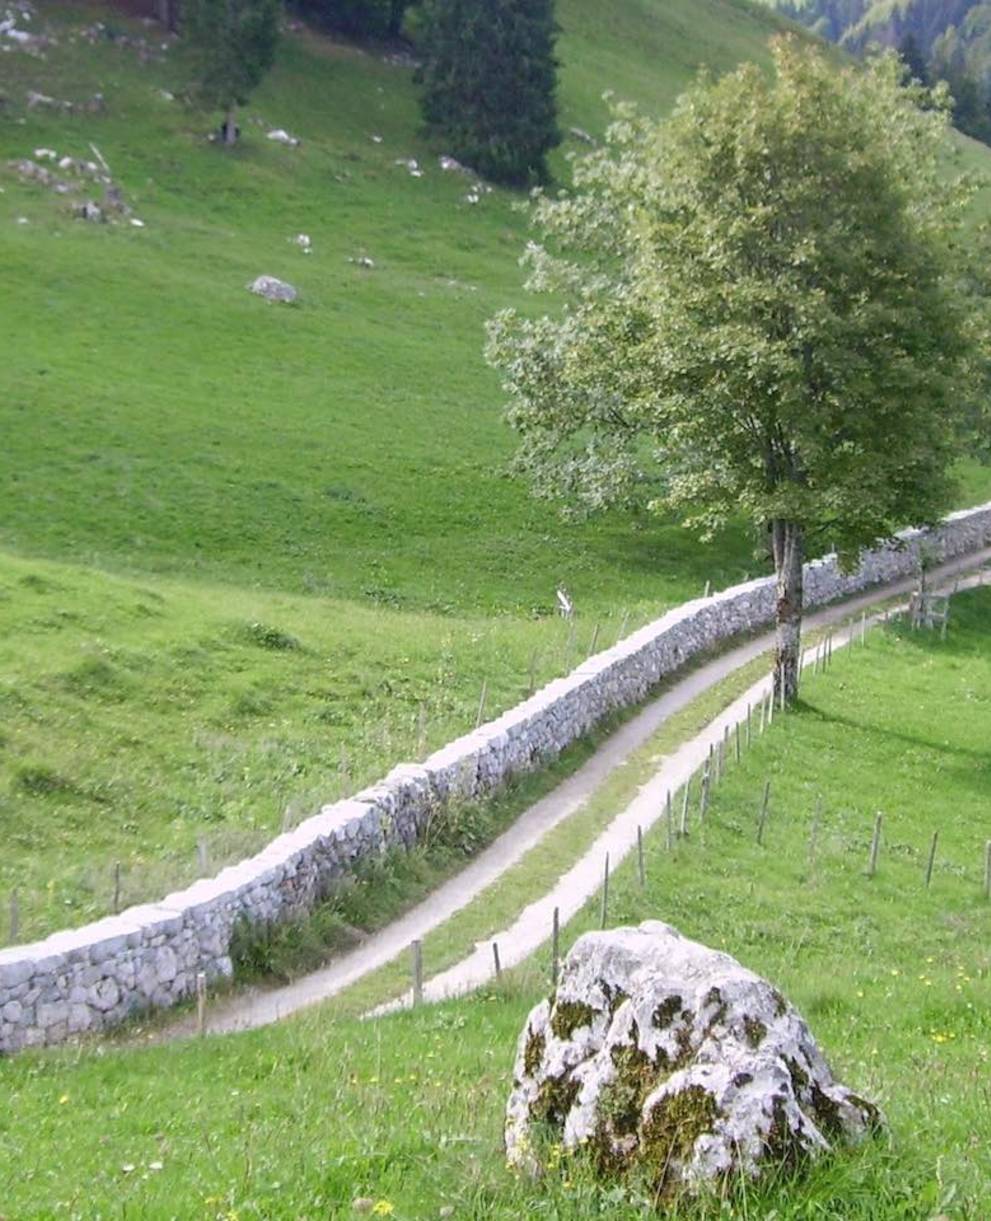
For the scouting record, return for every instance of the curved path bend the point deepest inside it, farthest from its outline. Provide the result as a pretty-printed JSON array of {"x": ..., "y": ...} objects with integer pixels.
[{"x": 261, "y": 1006}]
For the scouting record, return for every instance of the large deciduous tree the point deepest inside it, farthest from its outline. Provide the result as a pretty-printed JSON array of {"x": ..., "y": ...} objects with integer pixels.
[
  {"x": 489, "y": 78},
  {"x": 762, "y": 315},
  {"x": 233, "y": 43}
]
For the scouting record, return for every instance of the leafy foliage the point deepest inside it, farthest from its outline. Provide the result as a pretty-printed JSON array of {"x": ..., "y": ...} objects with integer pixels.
[
  {"x": 489, "y": 78},
  {"x": 233, "y": 44},
  {"x": 764, "y": 292},
  {"x": 765, "y": 310}
]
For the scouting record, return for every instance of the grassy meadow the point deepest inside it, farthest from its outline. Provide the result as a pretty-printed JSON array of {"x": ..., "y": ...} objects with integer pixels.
[
  {"x": 182, "y": 460},
  {"x": 185, "y": 466},
  {"x": 301, "y": 1119}
]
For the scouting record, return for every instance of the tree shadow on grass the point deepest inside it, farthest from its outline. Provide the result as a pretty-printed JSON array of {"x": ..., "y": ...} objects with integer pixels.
[{"x": 913, "y": 741}]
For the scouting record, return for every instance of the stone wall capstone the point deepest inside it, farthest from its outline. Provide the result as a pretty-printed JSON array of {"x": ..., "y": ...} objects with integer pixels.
[{"x": 94, "y": 977}]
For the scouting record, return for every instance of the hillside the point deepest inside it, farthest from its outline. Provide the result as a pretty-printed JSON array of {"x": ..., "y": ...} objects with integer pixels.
[
  {"x": 956, "y": 32},
  {"x": 186, "y": 466},
  {"x": 303, "y": 1117},
  {"x": 190, "y": 474}
]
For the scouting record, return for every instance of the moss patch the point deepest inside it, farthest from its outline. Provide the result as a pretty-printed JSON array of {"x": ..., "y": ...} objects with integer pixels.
[
  {"x": 556, "y": 1098},
  {"x": 755, "y": 1031},
  {"x": 673, "y": 1126},
  {"x": 533, "y": 1053},
  {"x": 666, "y": 1012},
  {"x": 569, "y": 1016}
]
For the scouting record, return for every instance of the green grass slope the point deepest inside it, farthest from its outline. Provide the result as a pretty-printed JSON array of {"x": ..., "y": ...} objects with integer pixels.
[
  {"x": 181, "y": 459},
  {"x": 159, "y": 417},
  {"x": 300, "y": 1119}
]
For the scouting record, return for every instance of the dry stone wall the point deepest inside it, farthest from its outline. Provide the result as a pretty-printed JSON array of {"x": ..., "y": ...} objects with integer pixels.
[{"x": 92, "y": 978}]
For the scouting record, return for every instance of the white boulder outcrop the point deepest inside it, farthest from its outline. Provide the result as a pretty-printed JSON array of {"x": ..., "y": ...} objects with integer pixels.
[
  {"x": 661, "y": 1056},
  {"x": 273, "y": 289}
]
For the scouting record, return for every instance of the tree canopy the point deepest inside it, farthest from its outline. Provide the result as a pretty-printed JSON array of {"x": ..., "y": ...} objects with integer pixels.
[
  {"x": 489, "y": 78},
  {"x": 233, "y": 43},
  {"x": 763, "y": 315}
]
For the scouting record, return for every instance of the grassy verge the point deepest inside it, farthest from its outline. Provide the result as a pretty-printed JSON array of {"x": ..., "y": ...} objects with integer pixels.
[
  {"x": 298, "y": 1120},
  {"x": 329, "y": 475}
]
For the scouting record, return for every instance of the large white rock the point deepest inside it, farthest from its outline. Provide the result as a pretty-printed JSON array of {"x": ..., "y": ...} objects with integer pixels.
[
  {"x": 273, "y": 289},
  {"x": 663, "y": 1056}
]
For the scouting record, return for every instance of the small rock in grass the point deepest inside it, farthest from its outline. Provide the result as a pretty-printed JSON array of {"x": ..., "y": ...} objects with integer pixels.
[
  {"x": 451, "y": 165},
  {"x": 45, "y": 154},
  {"x": 89, "y": 211},
  {"x": 273, "y": 289},
  {"x": 280, "y": 136},
  {"x": 302, "y": 240},
  {"x": 665, "y": 1058}
]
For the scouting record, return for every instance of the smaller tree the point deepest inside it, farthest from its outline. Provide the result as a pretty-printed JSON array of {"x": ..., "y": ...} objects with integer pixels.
[
  {"x": 764, "y": 313},
  {"x": 233, "y": 44},
  {"x": 489, "y": 78}
]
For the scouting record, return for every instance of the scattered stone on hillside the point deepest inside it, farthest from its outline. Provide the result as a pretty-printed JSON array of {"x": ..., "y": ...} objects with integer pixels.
[
  {"x": 280, "y": 136},
  {"x": 45, "y": 154},
  {"x": 579, "y": 133},
  {"x": 113, "y": 200},
  {"x": 362, "y": 260},
  {"x": 31, "y": 171},
  {"x": 96, "y": 104},
  {"x": 302, "y": 240},
  {"x": 147, "y": 51},
  {"x": 166, "y": 95},
  {"x": 89, "y": 211},
  {"x": 660, "y": 1055},
  {"x": 14, "y": 38},
  {"x": 411, "y": 164},
  {"x": 451, "y": 165},
  {"x": 138, "y": 224},
  {"x": 476, "y": 192},
  {"x": 402, "y": 59},
  {"x": 376, "y": 139},
  {"x": 273, "y": 289}
]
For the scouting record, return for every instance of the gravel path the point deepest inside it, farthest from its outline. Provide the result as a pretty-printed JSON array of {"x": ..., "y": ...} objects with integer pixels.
[{"x": 254, "y": 1007}]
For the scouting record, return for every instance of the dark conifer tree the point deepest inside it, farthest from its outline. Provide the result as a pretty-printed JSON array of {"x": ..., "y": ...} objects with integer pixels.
[
  {"x": 489, "y": 77},
  {"x": 913, "y": 59},
  {"x": 233, "y": 44}
]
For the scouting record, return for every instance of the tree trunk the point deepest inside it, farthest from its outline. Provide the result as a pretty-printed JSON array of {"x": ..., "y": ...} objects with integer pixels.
[
  {"x": 788, "y": 555},
  {"x": 230, "y": 127}
]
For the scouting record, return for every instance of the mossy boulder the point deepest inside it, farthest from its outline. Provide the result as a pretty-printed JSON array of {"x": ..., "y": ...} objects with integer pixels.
[{"x": 701, "y": 1071}]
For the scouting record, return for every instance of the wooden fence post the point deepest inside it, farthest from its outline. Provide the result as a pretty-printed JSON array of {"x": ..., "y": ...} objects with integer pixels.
[
  {"x": 932, "y": 858},
  {"x": 763, "y": 811},
  {"x": 683, "y": 829},
  {"x": 669, "y": 819},
  {"x": 605, "y": 892},
  {"x": 555, "y": 946},
  {"x": 417, "y": 954},
  {"x": 201, "y": 1003},
  {"x": 116, "y": 887},
  {"x": 496, "y": 961}
]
